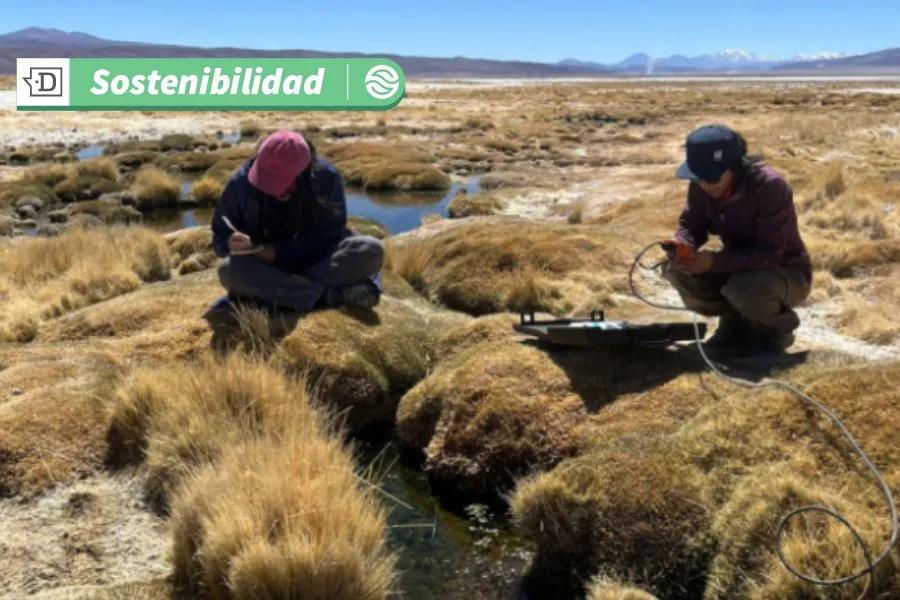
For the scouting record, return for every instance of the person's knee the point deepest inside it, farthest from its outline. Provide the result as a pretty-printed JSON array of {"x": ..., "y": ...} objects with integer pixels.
[
  {"x": 224, "y": 272},
  {"x": 753, "y": 293},
  {"x": 232, "y": 272},
  {"x": 371, "y": 253}
]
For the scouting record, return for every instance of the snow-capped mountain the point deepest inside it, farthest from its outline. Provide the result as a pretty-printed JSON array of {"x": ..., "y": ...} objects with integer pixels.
[{"x": 728, "y": 60}]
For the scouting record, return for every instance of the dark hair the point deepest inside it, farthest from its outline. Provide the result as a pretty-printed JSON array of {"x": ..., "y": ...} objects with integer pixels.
[{"x": 747, "y": 161}]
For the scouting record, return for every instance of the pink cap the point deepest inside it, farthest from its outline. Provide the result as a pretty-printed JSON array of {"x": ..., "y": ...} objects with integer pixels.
[{"x": 281, "y": 158}]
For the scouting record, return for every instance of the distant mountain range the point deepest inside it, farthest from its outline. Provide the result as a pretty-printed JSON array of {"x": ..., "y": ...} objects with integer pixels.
[
  {"x": 726, "y": 61},
  {"x": 34, "y": 42}
]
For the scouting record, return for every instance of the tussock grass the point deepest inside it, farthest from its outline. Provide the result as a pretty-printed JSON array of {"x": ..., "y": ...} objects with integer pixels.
[
  {"x": 12, "y": 191},
  {"x": 720, "y": 482},
  {"x": 849, "y": 259},
  {"x": 364, "y": 226},
  {"x": 104, "y": 168},
  {"x": 495, "y": 409},
  {"x": 383, "y": 166},
  {"x": 362, "y": 369},
  {"x": 41, "y": 278},
  {"x": 135, "y": 159},
  {"x": 53, "y": 434},
  {"x": 250, "y": 129},
  {"x": 177, "y": 417},
  {"x": 281, "y": 514},
  {"x": 108, "y": 210},
  {"x": 474, "y": 205},
  {"x": 188, "y": 162},
  {"x": 48, "y": 174},
  {"x": 225, "y": 169},
  {"x": 560, "y": 269},
  {"x": 207, "y": 190},
  {"x": 403, "y": 176},
  {"x": 191, "y": 249},
  {"x": 76, "y": 188},
  {"x": 265, "y": 498},
  {"x": 871, "y": 313},
  {"x": 638, "y": 513},
  {"x": 603, "y": 588},
  {"x": 518, "y": 412},
  {"x": 153, "y": 189}
]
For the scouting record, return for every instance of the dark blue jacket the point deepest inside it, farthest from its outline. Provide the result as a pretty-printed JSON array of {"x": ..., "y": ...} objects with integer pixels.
[{"x": 304, "y": 229}]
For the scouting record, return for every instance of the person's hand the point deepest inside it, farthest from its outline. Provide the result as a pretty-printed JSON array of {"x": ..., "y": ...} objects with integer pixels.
[
  {"x": 239, "y": 241},
  {"x": 700, "y": 263},
  {"x": 266, "y": 254}
]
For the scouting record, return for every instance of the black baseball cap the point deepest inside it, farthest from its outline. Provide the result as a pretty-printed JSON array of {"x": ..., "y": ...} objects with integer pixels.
[{"x": 711, "y": 150}]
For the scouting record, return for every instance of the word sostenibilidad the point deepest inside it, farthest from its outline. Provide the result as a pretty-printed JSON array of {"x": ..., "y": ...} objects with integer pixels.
[{"x": 248, "y": 81}]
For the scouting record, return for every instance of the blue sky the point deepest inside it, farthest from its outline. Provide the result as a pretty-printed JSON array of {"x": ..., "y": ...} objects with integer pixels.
[{"x": 546, "y": 31}]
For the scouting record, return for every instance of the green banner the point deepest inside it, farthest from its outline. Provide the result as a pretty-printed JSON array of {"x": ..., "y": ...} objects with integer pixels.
[{"x": 208, "y": 84}]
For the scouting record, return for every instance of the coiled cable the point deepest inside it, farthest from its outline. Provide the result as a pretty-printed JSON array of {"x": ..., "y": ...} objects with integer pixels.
[{"x": 871, "y": 564}]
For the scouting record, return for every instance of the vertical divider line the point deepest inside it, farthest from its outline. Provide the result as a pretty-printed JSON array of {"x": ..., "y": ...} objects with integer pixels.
[{"x": 348, "y": 82}]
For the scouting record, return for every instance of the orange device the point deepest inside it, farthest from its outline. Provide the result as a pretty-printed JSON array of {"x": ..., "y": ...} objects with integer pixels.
[{"x": 679, "y": 250}]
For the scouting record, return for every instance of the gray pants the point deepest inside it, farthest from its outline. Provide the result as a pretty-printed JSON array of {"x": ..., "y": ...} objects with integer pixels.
[
  {"x": 356, "y": 260},
  {"x": 766, "y": 298}
]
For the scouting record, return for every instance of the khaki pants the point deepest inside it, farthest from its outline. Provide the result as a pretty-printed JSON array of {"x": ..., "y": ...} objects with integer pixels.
[{"x": 765, "y": 298}]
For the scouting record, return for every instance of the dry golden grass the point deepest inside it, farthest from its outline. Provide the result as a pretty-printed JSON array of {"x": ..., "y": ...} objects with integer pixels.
[
  {"x": 207, "y": 191},
  {"x": 382, "y": 166},
  {"x": 496, "y": 409},
  {"x": 187, "y": 162},
  {"x": 96, "y": 167},
  {"x": 7, "y": 82},
  {"x": 559, "y": 270},
  {"x": 12, "y": 191},
  {"x": 150, "y": 590},
  {"x": 711, "y": 491},
  {"x": 42, "y": 278},
  {"x": 106, "y": 209},
  {"x": 364, "y": 226},
  {"x": 363, "y": 364},
  {"x": 603, "y": 588},
  {"x": 264, "y": 496},
  {"x": 52, "y": 432},
  {"x": 191, "y": 248},
  {"x": 77, "y": 188},
  {"x": 135, "y": 159},
  {"x": 474, "y": 205},
  {"x": 678, "y": 479},
  {"x": 154, "y": 188},
  {"x": 250, "y": 129},
  {"x": 174, "y": 418},
  {"x": 48, "y": 174}
]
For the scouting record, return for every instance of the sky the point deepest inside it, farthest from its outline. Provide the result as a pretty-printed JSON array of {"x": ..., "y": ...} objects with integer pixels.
[{"x": 546, "y": 31}]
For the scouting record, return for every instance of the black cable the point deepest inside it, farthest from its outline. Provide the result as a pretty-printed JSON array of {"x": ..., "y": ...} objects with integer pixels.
[{"x": 870, "y": 564}]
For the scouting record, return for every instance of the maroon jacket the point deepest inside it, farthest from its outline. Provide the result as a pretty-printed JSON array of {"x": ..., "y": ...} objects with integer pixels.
[{"x": 757, "y": 225}]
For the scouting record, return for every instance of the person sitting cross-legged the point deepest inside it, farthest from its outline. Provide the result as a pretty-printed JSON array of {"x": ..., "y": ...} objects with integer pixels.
[{"x": 281, "y": 229}]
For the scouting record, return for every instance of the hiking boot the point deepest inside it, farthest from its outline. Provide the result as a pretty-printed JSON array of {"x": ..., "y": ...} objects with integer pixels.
[
  {"x": 364, "y": 295},
  {"x": 772, "y": 343},
  {"x": 221, "y": 312},
  {"x": 731, "y": 337}
]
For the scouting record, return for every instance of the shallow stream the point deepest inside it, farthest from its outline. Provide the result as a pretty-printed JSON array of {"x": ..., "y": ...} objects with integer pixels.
[{"x": 443, "y": 554}]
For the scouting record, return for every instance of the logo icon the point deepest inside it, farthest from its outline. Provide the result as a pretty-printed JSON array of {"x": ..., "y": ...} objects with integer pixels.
[
  {"x": 42, "y": 82},
  {"x": 382, "y": 82},
  {"x": 717, "y": 156},
  {"x": 45, "y": 82}
]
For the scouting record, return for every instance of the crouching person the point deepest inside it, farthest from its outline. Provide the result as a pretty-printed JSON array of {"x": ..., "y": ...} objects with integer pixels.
[
  {"x": 763, "y": 271},
  {"x": 281, "y": 228}
]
